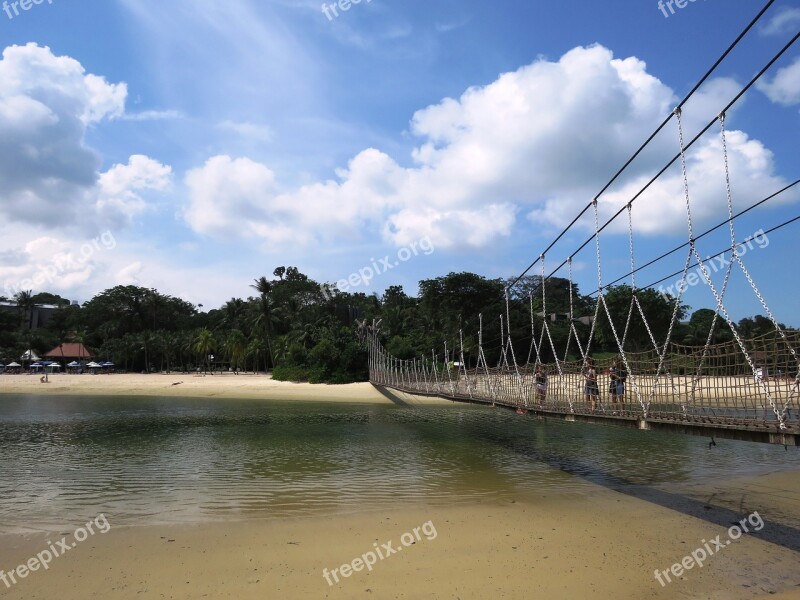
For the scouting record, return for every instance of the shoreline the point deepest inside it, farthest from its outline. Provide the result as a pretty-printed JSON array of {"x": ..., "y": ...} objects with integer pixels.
[
  {"x": 591, "y": 542},
  {"x": 220, "y": 385},
  {"x": 548, "y": 546}
]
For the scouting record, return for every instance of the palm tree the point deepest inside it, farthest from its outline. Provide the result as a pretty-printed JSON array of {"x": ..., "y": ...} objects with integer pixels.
[
  {"x": 185, "y": 343},
  {"x": 235, "y": 345},
  {"x": 282, "y": 348},
  {"x": 79, "y": 336},
  {"x": 158, "y": 346},
  {"x": 255, "y": 348},
  {"x": 290, "y": 312},
  {"x": 305, "y": 334},
  {"x": 171, "y": 346},
  {"x": 233, "y": 310},
  {"x": 146, "y": 341},
  {"x": 264, "y": 319},
  {"x": 203, "y": 345},
  {"x": 128, "y": 348},
  {"x": 25, "y": 305}
]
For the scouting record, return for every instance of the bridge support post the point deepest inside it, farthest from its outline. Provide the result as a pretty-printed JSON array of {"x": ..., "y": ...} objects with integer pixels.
[
  {"x": 643, "y": 425},
  {"x": 782, "y": 439}
]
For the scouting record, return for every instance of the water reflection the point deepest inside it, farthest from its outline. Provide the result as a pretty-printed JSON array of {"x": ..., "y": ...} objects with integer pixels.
[{"x": 148, "y": 460}]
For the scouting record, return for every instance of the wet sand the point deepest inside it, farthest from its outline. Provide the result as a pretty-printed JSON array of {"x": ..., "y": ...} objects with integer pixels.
[
  {"x": 597, "y": 544},
  {"x": 591, "y": 543},
  {"x": 225, "y": 385}
]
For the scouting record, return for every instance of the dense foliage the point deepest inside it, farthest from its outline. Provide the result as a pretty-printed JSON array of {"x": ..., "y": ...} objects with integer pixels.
[{"x": 301, "y": 332}]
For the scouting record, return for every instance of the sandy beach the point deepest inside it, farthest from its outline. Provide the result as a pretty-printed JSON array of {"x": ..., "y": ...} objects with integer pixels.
[
  {"x": 224, "y": 385},
  {"x": 594, "y": 544},
  {"x": 553, "y": 548}
]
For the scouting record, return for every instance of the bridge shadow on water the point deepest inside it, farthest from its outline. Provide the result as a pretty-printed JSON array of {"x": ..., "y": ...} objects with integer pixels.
[
  {"x": 773, "y": 531},
  {"x": 391, "y": 396},
  {"x": 495, "y": 433}
]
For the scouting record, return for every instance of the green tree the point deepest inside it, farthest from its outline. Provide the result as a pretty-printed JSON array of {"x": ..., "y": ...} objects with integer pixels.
[
  {"x": 25, "y": 305},
  {"x": 453, "y": 302},
  {"x": 203, "y": 346},
  {"x": 123, "y": 310},
  {"x": 697, "y": 329},
  {"x": 234, "y": 311},
  {"x": 753, "y": 327},
  {"x": 52, "y": 299},
  {"x": 656, "y": 308},
  {"x": 146, "y": 343},
  {"x": 256, "y": 348},
  {"x": 265, "y": 315},
  {"x": 235, "y": 346}
]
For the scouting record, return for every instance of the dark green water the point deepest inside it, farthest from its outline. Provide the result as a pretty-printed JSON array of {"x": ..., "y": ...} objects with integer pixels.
[{"x": 157, "y": 460}]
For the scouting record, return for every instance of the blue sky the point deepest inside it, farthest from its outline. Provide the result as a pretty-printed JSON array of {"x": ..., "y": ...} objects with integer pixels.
[{"x": 194, "y": 146}]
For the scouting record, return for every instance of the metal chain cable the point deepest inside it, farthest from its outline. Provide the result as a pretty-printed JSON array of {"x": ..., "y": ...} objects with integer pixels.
[
  {"x": 738, "y": 259},
  {"x": 710, "y": 283},
  {"x": 550, "y": 336},
  {"x": 735, "y": 246},
  {"x": 601, "y": 299}
]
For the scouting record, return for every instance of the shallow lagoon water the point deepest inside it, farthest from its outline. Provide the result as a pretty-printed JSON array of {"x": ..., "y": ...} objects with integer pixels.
[{"x": 147, "y": 460}]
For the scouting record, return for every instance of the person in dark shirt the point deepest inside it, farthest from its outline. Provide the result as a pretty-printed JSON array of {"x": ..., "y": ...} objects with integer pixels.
[
  {"x": 540, "y": 379},
  {"x": 591, "y": 391},
  {"x": 616, "y": 385}
]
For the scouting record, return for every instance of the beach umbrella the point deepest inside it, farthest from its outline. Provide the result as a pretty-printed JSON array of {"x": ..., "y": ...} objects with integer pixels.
[
  {"x": 107, "y": 364},
  {"x": 74, "y": 363},
  {"x": 14, "y": 365},
  {"x": 93, "y": 365},
  {"x": 37, "y": 365}
]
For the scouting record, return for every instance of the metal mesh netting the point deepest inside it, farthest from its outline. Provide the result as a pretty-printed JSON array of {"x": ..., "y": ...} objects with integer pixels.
[{"x": 714, "y": 385}]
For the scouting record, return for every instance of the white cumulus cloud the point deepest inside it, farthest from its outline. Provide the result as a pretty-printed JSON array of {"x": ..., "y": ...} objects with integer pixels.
[
  {"x": 786, "y": 20},
  {"x": 119, "y": 188},
  {"x": 49, "y": 177},
  {"x": 784, "y": 88},
  {"x": 227, "y": 196},
  {"x": 539, "y": 141}
]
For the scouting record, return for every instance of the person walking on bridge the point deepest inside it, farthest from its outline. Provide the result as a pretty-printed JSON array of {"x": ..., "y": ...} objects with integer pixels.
[
  {"x": 540, "y": 379},
  {"x": 616, "y": 386},
  {"x": 591, "y": 391}
]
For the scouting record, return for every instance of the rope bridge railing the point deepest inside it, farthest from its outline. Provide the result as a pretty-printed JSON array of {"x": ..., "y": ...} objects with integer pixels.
[
  {"x": 743, "y": 383},
  {"x": 711, "y": 385}
]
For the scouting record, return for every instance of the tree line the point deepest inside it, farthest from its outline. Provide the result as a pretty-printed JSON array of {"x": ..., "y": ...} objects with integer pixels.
[{"x": 295, "y": 328}]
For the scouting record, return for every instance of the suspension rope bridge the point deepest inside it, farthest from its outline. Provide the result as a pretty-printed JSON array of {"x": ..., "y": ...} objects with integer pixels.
[{"x": 743, "y": 389}]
